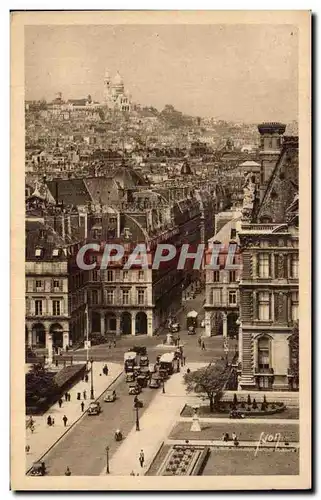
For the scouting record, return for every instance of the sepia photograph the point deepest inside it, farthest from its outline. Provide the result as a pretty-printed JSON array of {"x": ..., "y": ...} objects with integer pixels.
[{"x": 157, "y": 269}]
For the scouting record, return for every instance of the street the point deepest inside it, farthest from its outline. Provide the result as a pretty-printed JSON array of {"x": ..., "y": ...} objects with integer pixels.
[{"x": 83, "y": 448}]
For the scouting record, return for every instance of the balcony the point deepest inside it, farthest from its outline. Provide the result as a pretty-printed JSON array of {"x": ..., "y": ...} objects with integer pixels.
[{"x": 263, "y": 371}]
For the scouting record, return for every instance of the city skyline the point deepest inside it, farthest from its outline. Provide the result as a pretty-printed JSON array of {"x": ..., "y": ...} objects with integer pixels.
[{"x": 259, "y": 80}]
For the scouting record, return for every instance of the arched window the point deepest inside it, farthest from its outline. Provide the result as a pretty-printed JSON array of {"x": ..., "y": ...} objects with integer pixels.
[{"x": 263, "y": 347}]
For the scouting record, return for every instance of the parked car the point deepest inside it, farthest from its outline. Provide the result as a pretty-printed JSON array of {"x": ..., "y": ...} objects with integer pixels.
[
  {"x": 94, "y": 408},
  {"x": 110, "y": 396},
  {"x": 154, "y": 383},
  {"x": 134, "y": 389},
  {"x": 38, "y": 469},
  {"x": 144, "y": 361},
  {"x": 174, "y": 327},
  {"x": 130, "y": 377}
]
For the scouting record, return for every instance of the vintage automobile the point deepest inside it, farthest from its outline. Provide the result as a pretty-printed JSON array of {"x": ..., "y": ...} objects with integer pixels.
[
  {"x": 110, "y": 396},
  {"x": 145, "y": 371},
  {"x": 174, "y": 327},
  {"x": 154, "y": 383},
  {"x": 144, "y": 361},
  {"x": 134, "y": 388},
  {"x": 236, "y": 414},
  {"x": 38, "y": 469},
  {"x": 163, "y": 374},
  {"x": 137, "y": 370},
  {"x": 130, "y": 377},
  {"x": 142, "y": 381},
  {"x": 191, "y": 330},
  {"x": 94, "y": 408}
]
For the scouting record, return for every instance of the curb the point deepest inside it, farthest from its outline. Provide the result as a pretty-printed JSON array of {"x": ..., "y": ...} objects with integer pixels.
[{"x": 73, "y": 424}]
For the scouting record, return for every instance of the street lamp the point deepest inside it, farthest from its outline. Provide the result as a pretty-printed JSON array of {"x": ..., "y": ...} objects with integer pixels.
[
  {"x": 92, "y": 395},
  {"x": 137, "y": 419},
  {"x": 107, "y": 459}
]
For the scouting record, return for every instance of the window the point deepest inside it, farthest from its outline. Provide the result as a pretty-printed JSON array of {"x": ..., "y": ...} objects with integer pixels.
[
  {"x": 264, "y": 265},
  {"x": 94, "y": 275},
  {"x": 38, "y": 285},
  {"x": 125, "y": 275},
  {"x": 232, "y": 298},
  {"x": 110, "y": 276},
  {"x": 56, "y": 307},
  {"x": 110, "y": 296},
  {"x": 94, "y": 297},
  {"x": 113, "y": 220},
  {"x": 140, "y": 275},
  {"x": 263, "y": 353},
  {"x": 216, "y": 276},
  {"x": 38, "y": 307},
  {"x": 125, "y": 297},
  {"x": 38, "y": 252},
  {"x": 295, "y": 266},
  {"x": 233, "y": 234},
  {"x": 216, "y": 296},
  {"x": 295, "y": 306},
  {"x": 141, "y": 297},
  {"x": 264, "y": 306},
  {"x": 56, "y": 284},
  {"x": 232, "y": 276}
]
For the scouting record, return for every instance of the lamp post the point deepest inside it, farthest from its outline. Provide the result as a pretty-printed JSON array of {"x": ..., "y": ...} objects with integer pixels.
[
  {"x": 92, "y": 395},
  {"x": 107, "y": 459},
  {"x": 137, "y": 419}
]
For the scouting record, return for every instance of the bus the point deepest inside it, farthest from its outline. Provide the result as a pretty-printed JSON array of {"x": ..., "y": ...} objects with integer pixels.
[
  {"x": 166, "y": 362},
  {"x": 130, "y": 360}
]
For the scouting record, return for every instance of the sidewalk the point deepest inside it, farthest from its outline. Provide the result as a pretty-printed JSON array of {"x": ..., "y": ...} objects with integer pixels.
[
  {"x": 155, "y": 425},
  {"x": 44, "y": 437}
]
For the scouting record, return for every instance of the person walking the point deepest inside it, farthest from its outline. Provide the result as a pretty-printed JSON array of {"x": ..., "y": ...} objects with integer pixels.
[
  {"x": 84, "y": 394},
  {"x": 234, "y": 437},
  {"x": 203, "y": 346},
  {"x": 141, "y": 458},
  {"x": 68, "y": 472},
  {"x": 65, "y": 420},
  {"x": 52, "y": 421},
  {"x": 60, "y": 402},
  {"x": 66, "y": 396},
  {"x": 82, "y": 406},
  {"x": 184, "y": 360},
  {"x": 49, "y": 421},
  {"x": 200, "y": 341},
  {"x": 115, "y": 343},
  {"x": 69, "y": 396},
  {"x": 86, "y": 377}
]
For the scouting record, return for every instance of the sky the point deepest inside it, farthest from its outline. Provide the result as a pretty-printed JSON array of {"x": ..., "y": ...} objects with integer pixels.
[{"x": 231, "y": 72}]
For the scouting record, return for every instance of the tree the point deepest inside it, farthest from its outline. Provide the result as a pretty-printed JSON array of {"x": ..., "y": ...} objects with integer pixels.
[
  {"x": 211, "y": 380},
  {"x": 294, "y": 351}
]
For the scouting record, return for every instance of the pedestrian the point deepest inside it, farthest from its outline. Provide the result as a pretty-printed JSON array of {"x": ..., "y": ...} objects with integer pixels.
[
  {"x": 199, "y": 341},
  {"x": 203, "y": 346},
  {"x": 178, "y": 340},
  {"x": 141, "y": 458},
  {"x": 68, "y": 472},
  {"x": 65, "y": 420},
  {"x": 66, "y": 396},
  {"x": 52, "y": 421},
  {"x": 60, "y": 402},
  {"x": 234, "y": 437},
  {"x": 132, "y": 473},
  {"x": 27, "y": 448},
  {"x": 184, "y": 360},
  {"x": 49, "y": 422},
  {"x": 32, "y": 428},
  {"x": 82, "y": 406},
  {"x": 86, "y": 377},
  {"x": 69, "y": 396},
  {"x": 115, "y": 343},
  {"x": 84, "y": 394},
  {"x": 109, "y": 345}
]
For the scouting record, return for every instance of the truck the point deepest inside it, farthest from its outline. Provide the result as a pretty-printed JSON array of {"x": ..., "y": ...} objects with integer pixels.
[
  {"x": 130, "y": 361},
  {"x": 191, "y": 319},
  {"x": 166, "y": 362}
]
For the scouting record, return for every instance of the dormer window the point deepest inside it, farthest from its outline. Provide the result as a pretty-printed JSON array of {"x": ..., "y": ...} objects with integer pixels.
[
  {"x": 55, "y": 252},
  {"x": 38, "y": 252}
]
